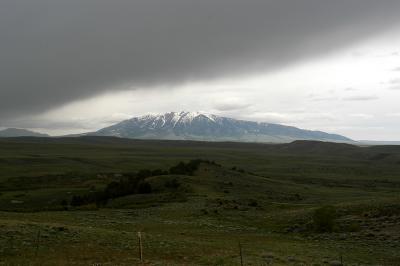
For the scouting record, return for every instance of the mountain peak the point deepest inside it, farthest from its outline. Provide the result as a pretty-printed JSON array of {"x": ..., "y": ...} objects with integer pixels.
[
  {"x": 190, "y": 116},
  {"x": 186, "y": 125},
  {"x": 174, "y": 117}
]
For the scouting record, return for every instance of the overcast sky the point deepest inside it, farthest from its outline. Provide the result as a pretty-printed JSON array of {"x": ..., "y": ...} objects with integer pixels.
[{"x": 69, "y": 66}]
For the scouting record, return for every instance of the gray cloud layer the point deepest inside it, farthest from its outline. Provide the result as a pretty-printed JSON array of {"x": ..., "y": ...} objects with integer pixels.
[{"x": 56, "y": 51}]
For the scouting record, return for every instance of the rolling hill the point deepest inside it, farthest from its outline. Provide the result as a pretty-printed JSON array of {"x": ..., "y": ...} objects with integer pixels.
[{"x": 17, "y": 132}]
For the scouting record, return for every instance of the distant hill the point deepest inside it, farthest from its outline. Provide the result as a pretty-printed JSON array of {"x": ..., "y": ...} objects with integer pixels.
[
  {"x": 17, "y": 132},
  {"x": 318, "y": 147},
  {"x": 377, "y": 142},
  {"x": 208, "y": 127}
]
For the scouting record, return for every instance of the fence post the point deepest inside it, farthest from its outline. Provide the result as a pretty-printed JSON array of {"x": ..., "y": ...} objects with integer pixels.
[
  {"x": 140, "y": 246},
  {"x": 37, "y": 243},
  {"x": 241, "y": 255}
]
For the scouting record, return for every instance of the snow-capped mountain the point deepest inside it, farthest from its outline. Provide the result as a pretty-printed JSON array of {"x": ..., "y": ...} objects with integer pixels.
[{"x": 208, "y": 127}]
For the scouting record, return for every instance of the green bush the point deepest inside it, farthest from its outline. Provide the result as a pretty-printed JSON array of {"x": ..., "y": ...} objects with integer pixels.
[
  {"x": 144, "y": 188},
  {"x": 253, "y": 203},
  {"x": 324, "y": 219},
  {"x": 174, "y": 183},
  {"x": 353, "y": 227}
]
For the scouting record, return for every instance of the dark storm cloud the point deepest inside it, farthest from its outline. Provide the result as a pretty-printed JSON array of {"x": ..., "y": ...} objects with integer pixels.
[{"x": 56, "y": 51}]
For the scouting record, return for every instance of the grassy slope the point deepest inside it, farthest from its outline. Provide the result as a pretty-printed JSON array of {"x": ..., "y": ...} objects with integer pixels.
[{"x": 202, "y": 222}]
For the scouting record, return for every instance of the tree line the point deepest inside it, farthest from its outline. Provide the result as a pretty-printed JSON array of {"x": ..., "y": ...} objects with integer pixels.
[{"x": 135, "y": 183}]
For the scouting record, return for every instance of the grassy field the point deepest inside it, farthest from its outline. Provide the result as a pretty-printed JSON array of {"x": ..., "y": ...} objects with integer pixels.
[{"x": 264, "y": 197}]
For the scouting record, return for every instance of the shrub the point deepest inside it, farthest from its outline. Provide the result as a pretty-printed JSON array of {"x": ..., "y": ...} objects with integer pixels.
[
  {"x": 174, "y": 183},
  {"x": 159, "y": 172},
  {"x": 353, "y": 227},
  {"x": 88, "y": 207},
  {"x": 64, "y": 204},
  {"x": 144, "y": 173},
  {"x": 144, "y": 188},
  {"x": 188, "y": 168},
  {"x": 179, "y": 169},
  {"x": 324, "y": 219},
  {"x": 76, "y": 201},
  {"x": 253, "y": 203}
]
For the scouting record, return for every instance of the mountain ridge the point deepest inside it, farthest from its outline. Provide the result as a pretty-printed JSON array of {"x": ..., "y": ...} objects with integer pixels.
[
  {"x": 209, "y": 127},
  {"x": 18, "y": 132}
]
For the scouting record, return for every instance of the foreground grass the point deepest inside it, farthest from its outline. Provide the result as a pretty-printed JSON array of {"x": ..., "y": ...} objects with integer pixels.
[
  {"x": 110, "y": 237},
  {"x": 262, "y": 196}
]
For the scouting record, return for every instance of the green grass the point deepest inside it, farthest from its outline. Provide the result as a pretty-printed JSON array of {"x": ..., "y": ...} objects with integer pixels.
[{"x": 267, "y": 206}]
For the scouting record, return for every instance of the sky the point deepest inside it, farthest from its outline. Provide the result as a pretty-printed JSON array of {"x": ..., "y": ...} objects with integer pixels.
[{"x": 77, "y": 66}]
